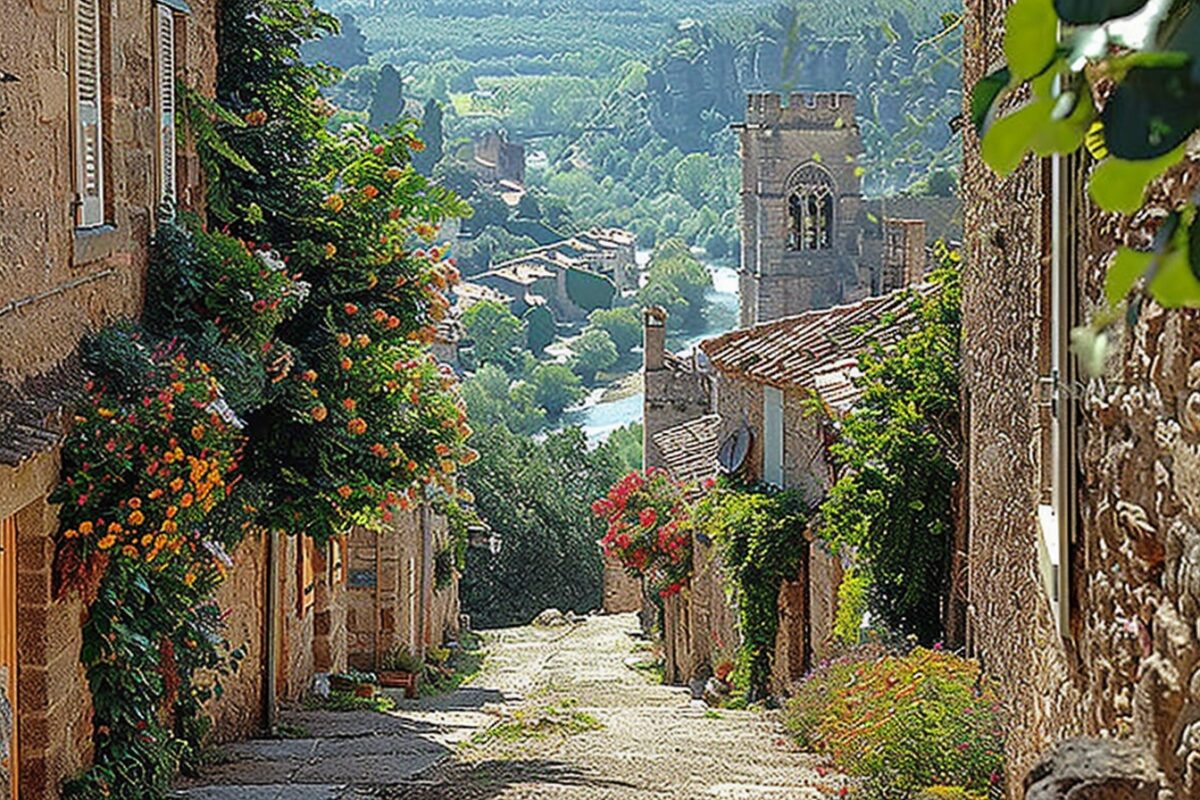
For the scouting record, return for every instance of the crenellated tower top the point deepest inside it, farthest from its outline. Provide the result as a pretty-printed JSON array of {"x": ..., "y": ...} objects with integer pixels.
[{"x": 804, "y": 110}]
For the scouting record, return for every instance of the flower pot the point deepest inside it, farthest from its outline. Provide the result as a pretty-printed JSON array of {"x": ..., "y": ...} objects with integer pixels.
[
  {"x": 397, "y": 679},
  {"x": 364, "y": 690}
]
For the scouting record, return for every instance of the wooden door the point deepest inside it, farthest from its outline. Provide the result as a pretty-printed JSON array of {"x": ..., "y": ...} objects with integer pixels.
[{"x": 8, "y": 654}]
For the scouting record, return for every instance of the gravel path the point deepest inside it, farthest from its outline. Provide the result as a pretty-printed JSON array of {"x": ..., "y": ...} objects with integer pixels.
[{"x": 557, "y": 713}]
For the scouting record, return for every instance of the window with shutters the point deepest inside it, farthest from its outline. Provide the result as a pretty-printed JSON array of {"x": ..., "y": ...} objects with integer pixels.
[
  {"x": 89, "y": 131},
  {"x": 165, "y": 80}
]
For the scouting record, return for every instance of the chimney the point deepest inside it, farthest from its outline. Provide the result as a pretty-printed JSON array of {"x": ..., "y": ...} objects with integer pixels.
[{"x": 654, "y": 342}]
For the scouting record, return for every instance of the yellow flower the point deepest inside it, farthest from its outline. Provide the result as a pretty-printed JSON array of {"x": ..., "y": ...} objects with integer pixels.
[
  {"x": 147, "y": 539},
  {"x": 136, "y": 518},
  {"x": 330, "y": 249},
  {"x": 70, "y": 533},
  {"x": 189, "y": 579},
  {"x": 334, "y": 203},
  {"x": 85, "y": 528},
  {"x": 130, "y": 551},
  {"x": 106, "y": 413},
  {"x": 176, "y": 484},
  {"x": 107, "y": 541}
]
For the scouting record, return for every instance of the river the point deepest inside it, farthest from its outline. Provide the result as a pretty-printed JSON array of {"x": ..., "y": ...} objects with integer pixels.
[{"x": 599, "y": 418}]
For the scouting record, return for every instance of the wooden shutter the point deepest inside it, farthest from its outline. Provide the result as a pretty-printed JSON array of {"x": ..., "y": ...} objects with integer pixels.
[
  {"x": 166, "y": 104},
  {"x": 772, "y": 436},
  {"x": 89, "y": 134}
]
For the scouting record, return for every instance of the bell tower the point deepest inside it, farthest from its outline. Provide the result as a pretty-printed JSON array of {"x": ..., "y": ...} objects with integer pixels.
[{"x": 801, "y": 200}]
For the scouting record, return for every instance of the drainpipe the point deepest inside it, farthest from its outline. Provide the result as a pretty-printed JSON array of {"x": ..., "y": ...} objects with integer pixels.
[{"x": 271, "y": 635}]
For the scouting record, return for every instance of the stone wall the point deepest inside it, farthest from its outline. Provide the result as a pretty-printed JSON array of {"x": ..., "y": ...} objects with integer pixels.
[
  {"x": 1127, "y": 664},
  {"x": 672, "y": 397},
  {"x": 238, "y": 712},
  {"x": 622, "y": 593}
]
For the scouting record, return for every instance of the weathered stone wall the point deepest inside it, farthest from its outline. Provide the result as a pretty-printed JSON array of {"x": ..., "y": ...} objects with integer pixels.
[
  {"x": 238, "y": 712},
  {"x": 776, "y": 140},
  {"x": 296, "y": 665},
  {"x": 622, "y": 592},
  {"x": 672, "y": 397},
  {"x": 1128, "y": 665}
]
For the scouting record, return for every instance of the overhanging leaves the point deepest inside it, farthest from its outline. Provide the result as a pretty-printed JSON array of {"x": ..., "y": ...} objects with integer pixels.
[
  {"x": 1092, "y": 12},
  {"x": 984, "y": 94},
  {"x": 1152, "y": 112}
]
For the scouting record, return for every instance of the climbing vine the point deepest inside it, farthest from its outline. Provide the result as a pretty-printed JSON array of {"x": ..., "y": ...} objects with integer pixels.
[
  {"x": 759, "y": 532},
  {"x": 1121, "y": 78},
  {"x": 287, "y": 385}
]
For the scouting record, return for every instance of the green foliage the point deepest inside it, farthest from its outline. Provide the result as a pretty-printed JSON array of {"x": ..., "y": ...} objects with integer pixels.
[
  {"x": 200, "y": 119},
  {"x": 624, "y": 446},
  {"x": 496, "y": 331},
  {"x": 903, "y": 723},
  {"x": 433, "y": 135},
  {"x": 760, "y": 534},
  {"x": 494, "y": 399},
  {"x": 677, "y": 281},
  {"x": 530, "y": 493},
  {"x": 1148, "y": 71},
  {"x": 901, "y": 449},
  {"x": 540, "y": 328},
  {"x": 594, "y": 352},
  {"x": 851, "y": 606},
  {"x": 556, "y": 388},
  {"x": 588, "y": 290},
  {"x": 622, "y": 324}
]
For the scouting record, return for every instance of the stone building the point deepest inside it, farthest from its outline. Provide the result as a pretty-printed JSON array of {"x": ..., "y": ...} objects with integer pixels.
[
  {"x": 1083, "y": 494},
  {"x": 496, "y": 160},
  {"x": 88, "y": 141},
  {"x": 801, "y": 198},
  {"x": 758, "y": 424}
]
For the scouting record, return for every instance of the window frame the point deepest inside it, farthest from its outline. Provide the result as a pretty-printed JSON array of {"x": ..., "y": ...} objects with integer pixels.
[{"x": 89, "y": 206}]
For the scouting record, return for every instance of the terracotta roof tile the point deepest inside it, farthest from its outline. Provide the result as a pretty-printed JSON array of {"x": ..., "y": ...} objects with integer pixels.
[
  {"x": 791, "y": 351},
  {"x": 32, "y": 414}
]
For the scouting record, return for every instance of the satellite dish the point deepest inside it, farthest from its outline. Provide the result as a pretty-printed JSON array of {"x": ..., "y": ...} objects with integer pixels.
[{"x": 734, "y": 450}]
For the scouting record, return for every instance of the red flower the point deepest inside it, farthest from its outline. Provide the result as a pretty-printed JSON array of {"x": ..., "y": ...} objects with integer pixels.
[{"x": 648, "y": 517}]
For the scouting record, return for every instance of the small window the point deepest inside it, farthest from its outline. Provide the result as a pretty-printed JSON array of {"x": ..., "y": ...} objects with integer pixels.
[
  {"x": 89, "y": 132},
  {"x": 773, "y": 436}
]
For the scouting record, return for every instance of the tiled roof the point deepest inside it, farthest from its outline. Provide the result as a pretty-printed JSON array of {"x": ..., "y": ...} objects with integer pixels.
[
  {"x": 690, "y": 449},
  {"x": 791, "y": 351},
  {"x": 31, "y": 414}
]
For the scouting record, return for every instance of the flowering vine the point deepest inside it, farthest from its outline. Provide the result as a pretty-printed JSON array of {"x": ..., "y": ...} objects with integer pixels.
[{"x": 649, "y": 529}]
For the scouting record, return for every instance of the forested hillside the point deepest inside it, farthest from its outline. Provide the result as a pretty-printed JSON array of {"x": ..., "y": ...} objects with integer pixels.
[{"x": 625, "y": 105}]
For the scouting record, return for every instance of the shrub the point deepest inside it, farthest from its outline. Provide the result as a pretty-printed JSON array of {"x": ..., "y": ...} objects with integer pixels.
[
  {"x": 649, "y": 529},
  {"x": 594, "y": 352},
  {"x": 852, "y": 604},
  {"x": 902, "y": 722}
]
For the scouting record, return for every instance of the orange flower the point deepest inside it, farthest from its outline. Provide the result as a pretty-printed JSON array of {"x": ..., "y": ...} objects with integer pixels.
[
  {"x": 147, "y": 539},
  {"x": 309, "y": 376},
  {"x": 319, "y": 412},
  {"x": 155, "y": 494},
  {"x": 411, "y": 466},
  {"x": 379, "y": 450},
  {"x": 186, "y": 500},
  {"x": 172, "y": 511},
  {"x": 136, "y": 518},
  {"x": 135, "y": 503},
  {"x": 334, "y": 203},
  {"x": 176, "y": 484},
  {"x": 393, "y": 173},
  {"x": 350, "y": 309},
  {"x": 346, "y": 364},
  {"x": 106, "y": 542},
  {"x": 349, "y": 404},
  {"x": 393, "y": 322},
  {"x": 189, "y": 579},
  {"x": 70, "y": 533},
  {"x": 362, "y": 340},
  {"x": 441, "y": 449},
  {"x": 198, "y": 432},
  {"x": 330, "y": 249},
  {"x": 470, "y": 457},
  {"x": 357, "y": 426},
  {"x": 130, "y": 551},
  {"x": 85, "y": 528},
  {"x": 115, "y": 527},
  {"x": 256, "y": 118},
  {"x": 379, "y": 315},
  {"x": 370, "y": 192},
  {"x": 343, "y": 339},
  {"x": 345, "y": 492},
  {"x": 448, "y": 466}
]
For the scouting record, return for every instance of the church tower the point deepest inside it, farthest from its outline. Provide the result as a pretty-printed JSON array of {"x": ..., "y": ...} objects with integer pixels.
[{"x": 801, "y": 200}]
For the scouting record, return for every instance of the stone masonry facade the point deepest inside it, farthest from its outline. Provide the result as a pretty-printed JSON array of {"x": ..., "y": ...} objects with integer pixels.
[{"x": 1126, "y": 663}]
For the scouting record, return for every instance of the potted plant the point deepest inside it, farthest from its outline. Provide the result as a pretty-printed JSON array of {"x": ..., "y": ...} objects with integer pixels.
[
  {"x": 361, "y": 684},
  {"x": 400, "y": 669}
]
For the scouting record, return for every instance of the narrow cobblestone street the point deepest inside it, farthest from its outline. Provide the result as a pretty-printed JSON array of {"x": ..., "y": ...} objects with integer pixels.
[{"x": 555, "y": 713}]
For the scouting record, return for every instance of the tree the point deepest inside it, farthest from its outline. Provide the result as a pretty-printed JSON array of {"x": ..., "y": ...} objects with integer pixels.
[
  {"x": 345, "y": 49},
  {"x": 693, "y": 178},
  {"x": 433, "y": 135},
  {"x": 594, "y": 352},
  {"x": 677, "y": 281},
  {"x": 493, "y": 399},
  {"x": 556, "y": 388},
  {"x": 497, "y": 333},
  {"x": 901, "y": 449},
  {"x": 531, "y": 493},
  {"x": 387, "y": 102},
  {"x": 621, "y": 324}
]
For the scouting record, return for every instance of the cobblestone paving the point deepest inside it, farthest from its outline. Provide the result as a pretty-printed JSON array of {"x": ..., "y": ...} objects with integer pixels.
[{"x": 557, "y": 713}]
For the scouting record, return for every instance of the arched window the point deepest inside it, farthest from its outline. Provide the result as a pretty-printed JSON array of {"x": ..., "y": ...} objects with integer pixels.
[{"x": 810, "y": 193}]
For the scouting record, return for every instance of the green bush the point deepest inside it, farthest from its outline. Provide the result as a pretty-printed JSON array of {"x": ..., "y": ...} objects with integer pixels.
[
  {"x": 852, "y": 604},
  {"x": 902, "y": 722}
]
